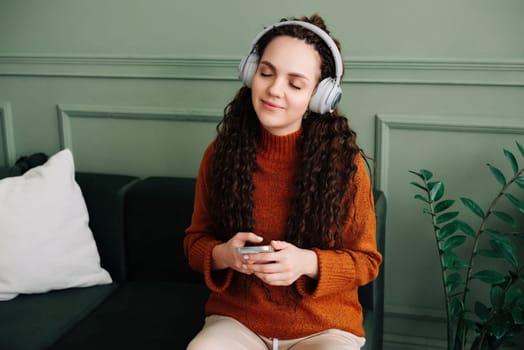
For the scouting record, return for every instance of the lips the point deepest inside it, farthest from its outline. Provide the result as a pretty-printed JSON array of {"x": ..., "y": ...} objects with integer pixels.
[{"x": 270, "y": 105}]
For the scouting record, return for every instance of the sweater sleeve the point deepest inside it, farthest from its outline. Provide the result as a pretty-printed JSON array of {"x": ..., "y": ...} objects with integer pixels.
[
  {"x": 199, "y": 240},
  {"x": 358, "y": 263}
]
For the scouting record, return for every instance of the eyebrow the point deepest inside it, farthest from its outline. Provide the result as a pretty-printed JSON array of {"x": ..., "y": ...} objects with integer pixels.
[{"x": 298, "y": 75}]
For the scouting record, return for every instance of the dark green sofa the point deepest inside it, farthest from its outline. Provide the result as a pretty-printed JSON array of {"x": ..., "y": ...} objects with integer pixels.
[{"x": 156, "y": 301}]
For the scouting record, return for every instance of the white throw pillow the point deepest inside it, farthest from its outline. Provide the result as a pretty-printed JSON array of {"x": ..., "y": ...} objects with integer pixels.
[{"x": 45, "y": 240}]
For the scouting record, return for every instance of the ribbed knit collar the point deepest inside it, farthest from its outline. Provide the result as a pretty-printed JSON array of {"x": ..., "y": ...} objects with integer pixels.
[{"x": 280, "y": 148}]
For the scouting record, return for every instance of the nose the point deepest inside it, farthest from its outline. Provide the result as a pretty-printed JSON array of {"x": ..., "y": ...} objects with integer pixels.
[{"x": 276, "y": 88}]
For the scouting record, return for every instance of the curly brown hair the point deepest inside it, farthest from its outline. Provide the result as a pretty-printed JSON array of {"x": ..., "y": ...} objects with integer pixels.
[{"x": 327, "y": 147}]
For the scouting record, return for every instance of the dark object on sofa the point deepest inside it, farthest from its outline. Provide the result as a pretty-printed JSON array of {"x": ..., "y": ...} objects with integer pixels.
[
  {"x": 156, "y": 300},
  {"x": 25, "y": 163}
]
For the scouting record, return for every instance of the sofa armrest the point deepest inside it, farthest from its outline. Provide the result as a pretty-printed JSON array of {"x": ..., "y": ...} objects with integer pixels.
[
  {"x": 371, "y": 296},
  {"x": 104, "y": 196}
]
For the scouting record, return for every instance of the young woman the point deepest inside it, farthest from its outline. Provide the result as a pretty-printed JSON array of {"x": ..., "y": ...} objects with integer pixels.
[{"x": 284, "y": 171}]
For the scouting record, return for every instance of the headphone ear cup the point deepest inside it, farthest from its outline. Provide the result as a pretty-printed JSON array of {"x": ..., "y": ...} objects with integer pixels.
[
  {"x": 247, "y": 68},
  {"x": 326, "y": 96}
]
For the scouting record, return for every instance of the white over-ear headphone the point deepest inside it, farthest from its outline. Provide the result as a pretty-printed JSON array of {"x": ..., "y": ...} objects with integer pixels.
[{"x": 328, "y": 92}]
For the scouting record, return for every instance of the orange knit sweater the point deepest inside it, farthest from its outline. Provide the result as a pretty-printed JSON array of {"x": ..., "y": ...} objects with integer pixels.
[{"x": 329, "y": 302}]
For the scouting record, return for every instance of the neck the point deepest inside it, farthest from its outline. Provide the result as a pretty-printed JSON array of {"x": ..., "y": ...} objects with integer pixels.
[{"x": 278, "y": 147}]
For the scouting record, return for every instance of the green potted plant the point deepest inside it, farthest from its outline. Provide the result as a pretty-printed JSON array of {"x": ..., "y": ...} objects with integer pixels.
[{"x": 465, "y": 248}]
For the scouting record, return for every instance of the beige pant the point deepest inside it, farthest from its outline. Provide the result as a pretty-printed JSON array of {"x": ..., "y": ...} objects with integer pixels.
[{"x": 226, "y": 333}]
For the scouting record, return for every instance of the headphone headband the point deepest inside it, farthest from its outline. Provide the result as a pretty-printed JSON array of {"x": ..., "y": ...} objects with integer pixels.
[{"x": 318, "y": 31}]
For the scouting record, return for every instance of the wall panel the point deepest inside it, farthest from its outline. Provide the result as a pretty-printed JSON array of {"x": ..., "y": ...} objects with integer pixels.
[
  {"x": 138, "y": 141},
  {"x": 456, "y": 149}
]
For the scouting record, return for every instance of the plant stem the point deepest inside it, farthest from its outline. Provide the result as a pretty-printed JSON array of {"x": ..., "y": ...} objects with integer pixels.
[
  {"x": 442, "y": 267},
  {"x": 469, "y": 270}
]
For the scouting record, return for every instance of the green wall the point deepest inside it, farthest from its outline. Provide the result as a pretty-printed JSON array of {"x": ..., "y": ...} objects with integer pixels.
[{"x": 138, "y": 87}]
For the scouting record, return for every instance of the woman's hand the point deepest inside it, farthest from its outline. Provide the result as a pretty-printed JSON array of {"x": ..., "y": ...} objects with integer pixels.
[
  {"x": 283, "y": 267},
  {"x": 225, "y": 255}
]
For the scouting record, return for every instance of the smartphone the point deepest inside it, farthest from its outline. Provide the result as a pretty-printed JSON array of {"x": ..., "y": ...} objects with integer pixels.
[{"x": 255, "y": 249}]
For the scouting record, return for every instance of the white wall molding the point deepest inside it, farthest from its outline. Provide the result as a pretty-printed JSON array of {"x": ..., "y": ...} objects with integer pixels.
[
  {"x": 8, "y": 133},
  {"x": 358, "y": 70},
  {"x": 66, "y": 112},
  {"x": 384, "y": 123}
]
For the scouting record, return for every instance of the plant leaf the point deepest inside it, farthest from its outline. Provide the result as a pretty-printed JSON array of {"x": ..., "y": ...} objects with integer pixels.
[
  {"x": 448, "y": 259},
  {"x": 423, "y": 174},
  {"x": 454, "y": 277},
  {"x": 508, "y": 219},
  {"x": 443, "y": 205},
  {"x": 422, "y": 198},
  {"x": 474, "y": 207},
  {"x": 506, "y": 250},
  {"x": 447, "y": 230},
  {"x": 518, "y": 314},
  {"x": 416, "y": 184},
  {"x": 512, "y": 160},
  {"x": 466, "y": 228},
  {"x": 520, "y": 181},
  {"x": 418, "y": 174},
  {"x": 446, "y": 217},
  {"x": 500, "y": 326},
  {"x": 496, "y": 296},
  {"x": 453, "y": 242},
  {"x": 451, "y": 261},
  {"x": 498, "y": 175},
  {"x": 494, "y": 233},
  {"x": 455, "y": 307},
  {"x": 514, "y": 296},
  {"x": 481, "y": 310},
  {"x": 489, "y": 276},
  {"x": 515, "y": 201},
  {"x": 436, "y": 190},
  {"x": 517, "y": 307},
  {"x": 521, "y": 149},
  {"x": 426, "y": 174},
  {"x": 453, "y": 281}
]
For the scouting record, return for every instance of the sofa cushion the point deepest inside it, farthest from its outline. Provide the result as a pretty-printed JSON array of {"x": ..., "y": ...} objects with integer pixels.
[
  {"x": 45, "y": 241},
  {"x": 158, "y": 211},
  {"x": 35, "y": 321},
  {"x": 142, "y": 314}
]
